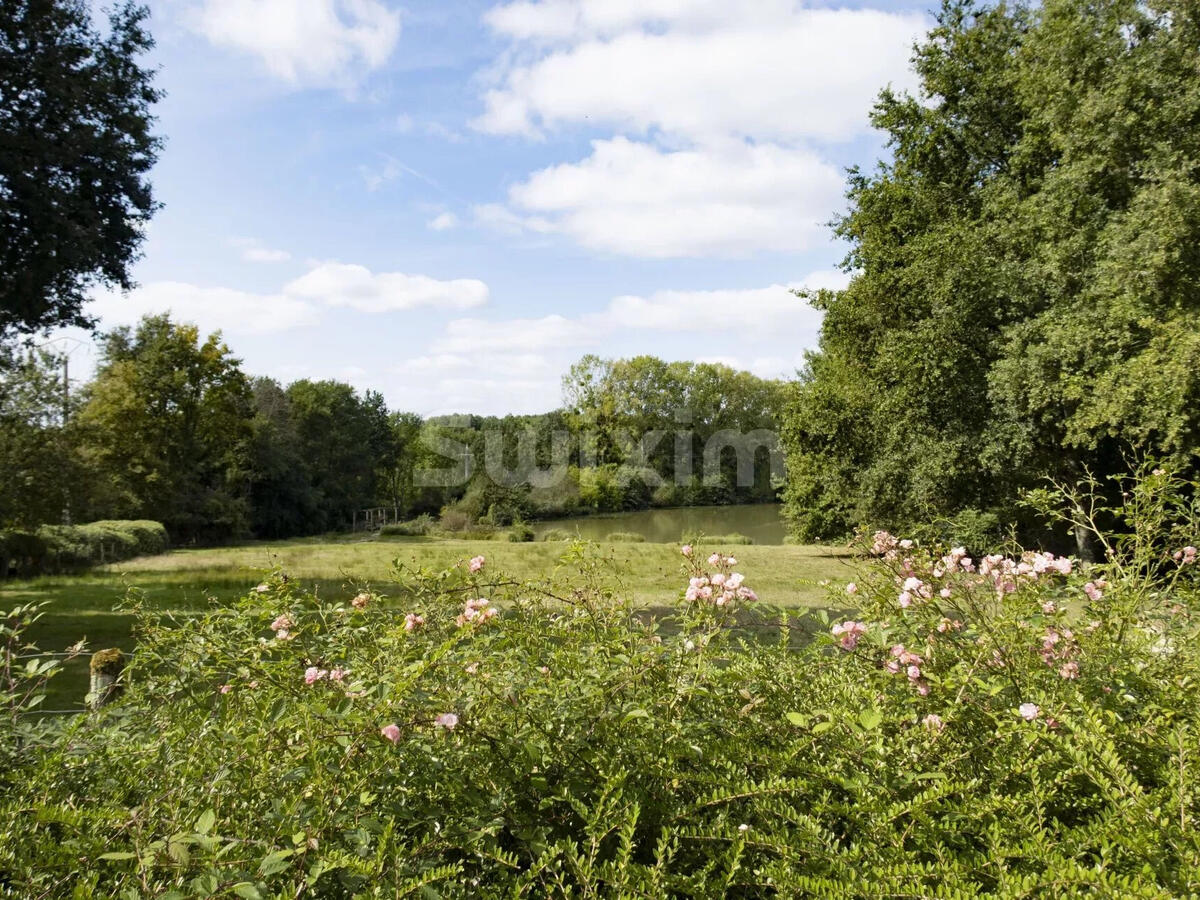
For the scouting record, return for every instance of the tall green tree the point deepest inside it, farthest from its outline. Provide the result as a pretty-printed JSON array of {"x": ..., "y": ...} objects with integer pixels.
[
  {"x": 36, "y": 446},
  {"x": 76, "y": 146},
  {"x": 282, "y": 501},
  {"x": 1026, "y": 272},
  {"x": 165, "y": 428},
  {"x": 340, "y": 436}
]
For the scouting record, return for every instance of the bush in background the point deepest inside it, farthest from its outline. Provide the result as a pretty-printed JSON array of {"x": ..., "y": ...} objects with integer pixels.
[
  {"x": 421, "y": 525},
  {"x": 64, "y": 548},
  {"x": 625, "y": 537},
  {"x": 520, "y": 533}
]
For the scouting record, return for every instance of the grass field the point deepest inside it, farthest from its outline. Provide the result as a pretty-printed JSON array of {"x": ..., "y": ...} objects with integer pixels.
[{"x": 82, "y": 606}]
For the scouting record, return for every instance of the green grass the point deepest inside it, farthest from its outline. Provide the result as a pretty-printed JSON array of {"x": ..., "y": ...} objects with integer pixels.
[{"x": 185, "y": 580}]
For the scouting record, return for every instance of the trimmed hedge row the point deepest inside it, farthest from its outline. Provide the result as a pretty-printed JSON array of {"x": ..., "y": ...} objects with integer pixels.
[{"x": 63, "y": 548}]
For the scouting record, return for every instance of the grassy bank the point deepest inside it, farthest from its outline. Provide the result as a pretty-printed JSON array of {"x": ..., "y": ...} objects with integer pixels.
[{"x": 188, "y": 580}]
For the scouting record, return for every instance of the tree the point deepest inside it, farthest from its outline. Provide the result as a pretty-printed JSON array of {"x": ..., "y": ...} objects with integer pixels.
[
  {"x": 1026, "y": 273},
  {"x": 75, "y": 150},
  {"x": 36, "y": 453},
  {"x": 340, "y": 436},
  {"x": 165, "y": 429},
  {"x": 282, "y": 501}
]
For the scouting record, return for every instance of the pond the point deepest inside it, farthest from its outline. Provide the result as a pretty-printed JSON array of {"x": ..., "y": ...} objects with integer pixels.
[{"x": 761, "y": 522}]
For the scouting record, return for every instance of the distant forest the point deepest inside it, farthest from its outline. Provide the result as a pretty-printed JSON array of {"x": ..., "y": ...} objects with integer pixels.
[{"x": 172, "y": 429}]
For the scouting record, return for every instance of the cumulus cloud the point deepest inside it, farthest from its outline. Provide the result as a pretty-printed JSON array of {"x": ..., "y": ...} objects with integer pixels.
[
  {"x": 252, "y": 250},
  {"x": 357, "y": 287},
  {"x": 697, "y": 69},
  {"x": 443, "y": 222},
  {"x": 471, "y": 336},
  {"x": 756, "y": 314},
  {"x": 210, "y": 308},
  {"x": 718, "y": 113},
  {"x": 304, "y": 42},
  {"x": 296, "y": 304},
  {"x": 632, "y": 198},
  {"x": 769, "y": 310}
]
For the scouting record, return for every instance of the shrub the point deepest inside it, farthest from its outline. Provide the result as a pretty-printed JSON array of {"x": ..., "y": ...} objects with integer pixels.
[
  {"x": 625, "y": 537},
  {"x": 22, "y": 553},
  {"x": 455, "y": 520},
  {"x": 729, "y": 539},
  {"x": 421, "y": 525},
  {"x": 520, "y": 533},
  {"x": 149, "y": 537},
  {"x": 65, "y": 548},
  {"x": 1016, "y": 726},
  {"x": 557, "y": 534}
]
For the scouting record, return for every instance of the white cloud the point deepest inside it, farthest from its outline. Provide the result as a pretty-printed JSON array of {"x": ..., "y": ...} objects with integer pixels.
[
  {"x": 715, "y": 111},
  {"x": 729, "y": 199},
  {"x": 735, "y": 315},
  {"x": 210, "y": 308},
  {"x": 771, "y": 310},
  {"x": 697, "y": 69},
  {"x": 472, "y": 336},
  {"x": 341, "y": 284},
  {"x": 254, "y": 251},
  {"x": 304, "y": 42},
  {"x": 443, "y": 222},
  {"x": 265, "y": 255},
  {"x": 295, "y": 305}
]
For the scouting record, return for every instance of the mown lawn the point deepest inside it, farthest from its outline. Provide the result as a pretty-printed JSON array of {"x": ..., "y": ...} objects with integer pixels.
[{"x": 184, "y": 580}]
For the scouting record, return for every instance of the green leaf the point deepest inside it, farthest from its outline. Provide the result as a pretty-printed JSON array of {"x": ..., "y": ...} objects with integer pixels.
[
  {"x": 870, "y": 718},
  {"x": 274, "y": 862},
  {"x": 797, "y": 719},
  {"x": 247, "y": 891},
  {"x": 117, "y": 856},
  {"x": 822, "y": 727},
  {"x": 205, "y": 823}
]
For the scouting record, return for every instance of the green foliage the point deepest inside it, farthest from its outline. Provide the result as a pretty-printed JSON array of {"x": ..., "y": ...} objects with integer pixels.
[
  {"x": 40, "y": 468},
  {"x": 722, "y": 540},
  {"x": 75, "y": 149},
  {"x": 1024, "y": 297},
  {"x": 23, "y": 680},
  {"x": 520, "y": 533},
  {"x": 625, "y": 537},
  {"x": 295, "y": 745},
  {"x": 613, "y": 404},
  {"x": 557, "y": 534},
  {"x": 164, "y": 431},
  {"x": 421, "y": 525},
  {"x": 67, "y": 548}
]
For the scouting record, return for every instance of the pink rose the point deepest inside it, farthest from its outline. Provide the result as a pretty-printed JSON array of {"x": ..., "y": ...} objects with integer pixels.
[
  {"x": 391, "y": 732},
  {"x": 449, "y": 721},
  {"x": 476, "y": 563}
]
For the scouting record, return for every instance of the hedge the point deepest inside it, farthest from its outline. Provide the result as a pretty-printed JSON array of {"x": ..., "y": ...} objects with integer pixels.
[{"x": 62, "y": 548}]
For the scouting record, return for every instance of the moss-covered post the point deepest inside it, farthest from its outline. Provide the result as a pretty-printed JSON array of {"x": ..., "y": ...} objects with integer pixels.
[{"x": 107, "y": 666}]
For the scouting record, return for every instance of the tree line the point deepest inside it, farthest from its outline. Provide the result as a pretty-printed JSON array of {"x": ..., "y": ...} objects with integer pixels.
[{"x": 172, "y": 429}]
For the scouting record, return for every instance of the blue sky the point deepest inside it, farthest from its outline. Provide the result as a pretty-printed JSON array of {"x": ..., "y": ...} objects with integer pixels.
[{"x": 451, "y": 202}]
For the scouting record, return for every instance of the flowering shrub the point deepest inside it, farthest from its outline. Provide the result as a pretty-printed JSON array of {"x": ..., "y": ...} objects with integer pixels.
[{"x": 979, "y": 727}]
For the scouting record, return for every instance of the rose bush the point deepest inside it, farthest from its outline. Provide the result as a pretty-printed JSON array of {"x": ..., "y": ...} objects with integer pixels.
[{"x": 1015, "y": 725}]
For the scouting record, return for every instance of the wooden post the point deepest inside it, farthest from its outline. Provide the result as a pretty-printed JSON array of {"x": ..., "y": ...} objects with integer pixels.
[{"x": 107, "y": 667}]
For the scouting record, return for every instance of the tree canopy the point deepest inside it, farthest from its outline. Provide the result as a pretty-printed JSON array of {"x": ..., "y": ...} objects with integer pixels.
[
  {"x": 75, "y": 151},
  {"x": 1026, "y": 270}
]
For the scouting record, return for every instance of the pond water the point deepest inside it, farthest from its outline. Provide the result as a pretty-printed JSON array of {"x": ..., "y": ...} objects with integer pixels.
[{"x": 760, "y": 522}]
